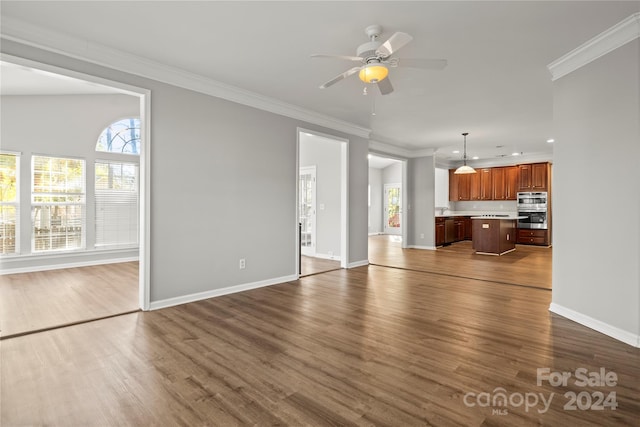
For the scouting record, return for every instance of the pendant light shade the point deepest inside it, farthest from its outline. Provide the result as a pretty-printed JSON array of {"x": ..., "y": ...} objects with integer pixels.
[{"x": 464, "y": 168}]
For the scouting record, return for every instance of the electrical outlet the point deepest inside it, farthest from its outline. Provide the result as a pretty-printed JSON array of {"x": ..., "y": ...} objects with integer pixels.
[{"x": 243, "y": 263}]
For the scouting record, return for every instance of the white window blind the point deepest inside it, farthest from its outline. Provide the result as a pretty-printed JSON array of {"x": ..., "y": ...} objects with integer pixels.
[
  {"x": 57, "y": 203},
  {"x": 9, "y": 204},
  {"x": 117, "y": 207}
]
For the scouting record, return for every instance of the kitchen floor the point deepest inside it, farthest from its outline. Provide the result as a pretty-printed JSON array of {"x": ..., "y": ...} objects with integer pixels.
[{"x": 526, "y": 266}]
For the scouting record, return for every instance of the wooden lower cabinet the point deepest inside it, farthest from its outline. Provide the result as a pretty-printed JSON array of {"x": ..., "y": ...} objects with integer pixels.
[
  {"x": 533, "y": 237},
  {"x": 439, "y": 231},
  {"x": 459, "y": 223}
]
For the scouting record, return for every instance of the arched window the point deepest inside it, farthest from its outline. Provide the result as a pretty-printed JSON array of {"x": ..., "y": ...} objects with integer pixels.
[{"x": 122, "y": 136}]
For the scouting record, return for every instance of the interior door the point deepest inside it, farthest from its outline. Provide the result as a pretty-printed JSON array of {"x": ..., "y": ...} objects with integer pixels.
[
  {"x": 392, "y": 209},
  {"x": 307, "y": 210}
]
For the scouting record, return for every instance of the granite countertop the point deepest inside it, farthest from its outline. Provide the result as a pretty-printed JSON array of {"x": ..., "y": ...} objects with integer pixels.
[
  {"x": 476, "y": 213},
  {"x": 499, "y": 217}
]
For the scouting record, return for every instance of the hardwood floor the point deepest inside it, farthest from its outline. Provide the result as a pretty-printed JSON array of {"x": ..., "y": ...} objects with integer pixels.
[
  {"x": 367, "y": 346},
  {"x": 45, "y": 299},
  {"x": 526, "y": 266},
  {"x": 311, "y": 265}
]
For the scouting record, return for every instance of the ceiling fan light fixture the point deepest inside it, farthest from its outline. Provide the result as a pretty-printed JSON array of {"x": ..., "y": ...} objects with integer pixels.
[
  {"x": 464, "y": 169},
  {"x": 373, "y": 73}
]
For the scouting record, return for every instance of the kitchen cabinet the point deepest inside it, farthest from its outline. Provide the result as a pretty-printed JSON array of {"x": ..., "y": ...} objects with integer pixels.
[
  {"x": 534, "y": 177},
  {"x": 486, "y": 183},
  {"x": 439, "y": 231},
  {"x": 511, "y": 182},
  {"x": 459, "y": 186},
  {"x": 533, "y": 237},
  {"x": 468, "y": 233},
  {"x": 494, "y": 236},
  {"x": 499, "y": 184},
  {"x": 505, "y": 183},
  {"x": 459, "y": 224}
]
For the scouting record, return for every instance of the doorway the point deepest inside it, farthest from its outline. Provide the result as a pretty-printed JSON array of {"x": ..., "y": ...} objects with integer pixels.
[
  {"x": 321, "y": 203},
  {"x": 393, "y": 209},
  {"x": 307, "y": 210},
  {"x": 72, "y": 273}
]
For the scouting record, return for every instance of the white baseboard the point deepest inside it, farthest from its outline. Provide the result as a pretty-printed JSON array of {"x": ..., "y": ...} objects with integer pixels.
[
  {"x": 48, "y": 267},
  {"x": 170, "y": 302},
  {"x": 327, "y": 256},
  {"x": 430, "y": 248},
  {"x": 597, "y": 325},
  {"x": 358, "y": 263}
]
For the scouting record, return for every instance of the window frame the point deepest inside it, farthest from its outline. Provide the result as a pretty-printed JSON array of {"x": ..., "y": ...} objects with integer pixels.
[
  {"x": 51, "y": 194},
  {"x": 15, "y": 204}
]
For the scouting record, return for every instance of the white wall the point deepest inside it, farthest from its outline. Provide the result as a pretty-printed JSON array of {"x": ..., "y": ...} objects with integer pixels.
[
  {"x": 441, "y": 188},
  {"x": 375, "y": 210},
  {"x": 392, "y": 174},
  {"x": 421, "y": 202},
  {"x": 66, "y": 126},
  {"x": 324, "y": 154},
  {"x": 596, "y": 273},
  {"x": 231, "y": 171}
]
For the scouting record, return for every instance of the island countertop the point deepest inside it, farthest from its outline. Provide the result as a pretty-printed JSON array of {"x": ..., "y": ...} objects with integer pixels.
[{"x": 499, "y": 217}]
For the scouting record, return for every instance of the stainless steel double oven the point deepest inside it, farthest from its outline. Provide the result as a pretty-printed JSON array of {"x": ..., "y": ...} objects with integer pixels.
[{"x": 533, "y": 206}]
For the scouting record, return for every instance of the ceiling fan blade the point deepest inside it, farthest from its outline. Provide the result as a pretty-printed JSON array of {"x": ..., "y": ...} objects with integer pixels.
[
  {"x": 348, "y": 58},
  {"x": 424, "y": 63},
  {"x": 385, "y": 86},
  {"x": 340, "y": 77},
  {"x": 394, "y": 43}
]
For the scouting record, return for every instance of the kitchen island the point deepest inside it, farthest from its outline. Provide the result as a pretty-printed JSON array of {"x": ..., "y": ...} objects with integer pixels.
[{"x": 494, "y": 234}]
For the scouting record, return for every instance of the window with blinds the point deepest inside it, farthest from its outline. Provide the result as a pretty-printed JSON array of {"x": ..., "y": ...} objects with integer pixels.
[
  {"x": 9, "y": 204},
  {"x": 57, "y": 203},
  {"x": 116, "y": 204}
]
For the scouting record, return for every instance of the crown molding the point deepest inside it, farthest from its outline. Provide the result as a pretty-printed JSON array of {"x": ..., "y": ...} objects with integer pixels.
[
  {"x": 52, "y": 41},
  {"x": 605, "y": 42},
  {"x": 394, "y": 150}
]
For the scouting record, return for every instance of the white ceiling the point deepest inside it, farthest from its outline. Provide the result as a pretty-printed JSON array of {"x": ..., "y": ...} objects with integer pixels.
[{"x": 496, "y": 85}]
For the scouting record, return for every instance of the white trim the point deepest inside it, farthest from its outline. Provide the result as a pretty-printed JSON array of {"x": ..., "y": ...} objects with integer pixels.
[
  {"x": 597, "y": 325},
  {"x": 184, "y": 299},
  {"x": 65, "y": 265},
  {"x": 358, "y": 263},
  {"x": 23, "y": 32},
  {"x": 386, "y": 149},
  {"x": 430, "y": 248},
  {"x": 605, "y": 42},
  {"x": 327, "y": 256}
]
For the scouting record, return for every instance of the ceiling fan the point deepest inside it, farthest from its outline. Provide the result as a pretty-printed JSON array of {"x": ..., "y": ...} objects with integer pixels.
[{"x": 376, "y": 59}]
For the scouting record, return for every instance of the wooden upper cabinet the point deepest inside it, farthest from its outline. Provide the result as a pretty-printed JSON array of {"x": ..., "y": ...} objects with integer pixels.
[
  {"x": 499, "y": 187},
  {"x": 475, "y": 186},
  {"x": 453, "y": 186},
  {"x": 459, "y": 186},
  {"x": 534, "y": 177},
  {"x": 486, "y": 183},
  {"x": 511, "y": 182}
]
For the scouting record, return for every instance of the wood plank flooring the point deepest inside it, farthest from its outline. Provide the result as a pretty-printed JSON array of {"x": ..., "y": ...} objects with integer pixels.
[
  {"x": 312, "y": 265},
  {"x": 526, "y": 266},
  {"x": 372, "y": 346},
  {"x": 45, "y": 299}
]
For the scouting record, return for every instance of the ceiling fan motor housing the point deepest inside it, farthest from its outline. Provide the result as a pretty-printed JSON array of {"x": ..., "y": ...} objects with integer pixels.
[{"x": 368, "y": 50}]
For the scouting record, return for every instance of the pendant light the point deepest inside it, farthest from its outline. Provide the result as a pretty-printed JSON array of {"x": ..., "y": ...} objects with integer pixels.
[{"x": 464, "y": 168}]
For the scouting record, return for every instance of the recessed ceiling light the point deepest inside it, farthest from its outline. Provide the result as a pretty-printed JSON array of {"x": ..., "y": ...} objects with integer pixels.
[
  {"x": 550, "y": 140},
  {"x": 475, "y": 157},
  {"x": 515, "y": 154},
  {"x": 369, "y": 156},
  {"x": 456, "y": 151}
]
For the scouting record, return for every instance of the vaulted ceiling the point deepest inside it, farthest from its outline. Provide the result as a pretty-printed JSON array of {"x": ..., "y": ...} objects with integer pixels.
[{"x": 496, "y": 85}]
